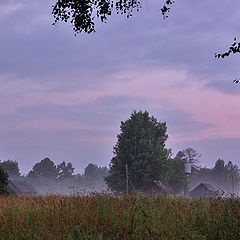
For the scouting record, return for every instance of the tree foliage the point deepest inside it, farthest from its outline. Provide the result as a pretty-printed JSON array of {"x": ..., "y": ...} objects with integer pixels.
[
  {"x": 226, "y": 175},
  {"x": 189, "y": 155},
  {"x": 11, "y": 167},
  {"x": 175, "y": 176},
  {"x": 233, "y": 49},
  {"x": 46, "y": 168},
  {"x": 3, "y": 182},
  {"x": 93, "y": 173},
  {"x": 83, "y": 14},
  {"x": 140, "y": 145},
  {"x": 65, "y": 171}
]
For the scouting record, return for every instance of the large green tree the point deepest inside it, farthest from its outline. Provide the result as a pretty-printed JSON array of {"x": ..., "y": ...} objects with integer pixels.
[{"x": 140, "y": 145}]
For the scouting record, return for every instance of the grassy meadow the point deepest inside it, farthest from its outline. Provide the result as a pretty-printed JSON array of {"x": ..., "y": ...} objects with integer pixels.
[{"x": 124, "y": 217}]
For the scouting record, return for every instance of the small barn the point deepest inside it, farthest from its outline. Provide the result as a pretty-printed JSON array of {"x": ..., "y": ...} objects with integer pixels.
[
  {"x": 203, "y": 190},
  {"x": 156, "y": 187},
  {"x": 21, "y": 188}
]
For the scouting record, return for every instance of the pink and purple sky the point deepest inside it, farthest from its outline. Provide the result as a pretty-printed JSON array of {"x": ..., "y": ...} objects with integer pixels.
[{"x": 64, "y": 96}]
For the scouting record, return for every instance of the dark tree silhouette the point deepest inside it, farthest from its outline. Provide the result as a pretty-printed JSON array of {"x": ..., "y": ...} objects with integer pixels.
[
  {"x": 83, "y": 14},
  {"x": 233, "y": 49}
]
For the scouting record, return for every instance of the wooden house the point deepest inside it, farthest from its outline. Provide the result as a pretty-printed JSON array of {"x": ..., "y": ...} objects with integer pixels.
[
  {"x": 203, "y": 190},
  {"x": 156, "y": 187},
  {"x": 21, "y": 188}
]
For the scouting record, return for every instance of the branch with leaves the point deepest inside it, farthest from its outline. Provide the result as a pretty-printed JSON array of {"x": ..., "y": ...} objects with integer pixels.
[
  {"x": 83, "y": 13},
  {"x": 233, "y": 49}
]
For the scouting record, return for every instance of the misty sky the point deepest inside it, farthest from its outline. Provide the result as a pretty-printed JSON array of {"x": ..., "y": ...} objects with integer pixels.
[{"x": 64, "y": 96}]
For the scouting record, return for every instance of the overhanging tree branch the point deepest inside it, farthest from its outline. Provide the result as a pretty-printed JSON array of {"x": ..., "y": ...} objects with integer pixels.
[
  {"x": 233, "y": 49},
  {"x": 82, "y": 14}
]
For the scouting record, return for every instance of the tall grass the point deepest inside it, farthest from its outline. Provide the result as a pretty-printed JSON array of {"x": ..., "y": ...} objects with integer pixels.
[{"x": 118, "y": 217}]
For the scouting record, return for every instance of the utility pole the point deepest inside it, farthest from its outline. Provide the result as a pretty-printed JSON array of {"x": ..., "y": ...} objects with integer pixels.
[
  {"x": 187, "y": 170},
  {"x": 232, "y": 183},
  {"x": 126, "y": 178}
]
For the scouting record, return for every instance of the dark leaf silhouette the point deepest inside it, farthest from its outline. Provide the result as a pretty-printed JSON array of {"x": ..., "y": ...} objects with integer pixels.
[
  {"x": 82, "y": 14},
  {"x": 233, "y": 49}
]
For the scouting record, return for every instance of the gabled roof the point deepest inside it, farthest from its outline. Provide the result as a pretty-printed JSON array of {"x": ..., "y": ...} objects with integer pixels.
[
  {"x": 202, "y": 190},
  {"x": 159, "y": 186},
  {"x": 209, "y": 187},
  {"x": 21, "y": 188}
]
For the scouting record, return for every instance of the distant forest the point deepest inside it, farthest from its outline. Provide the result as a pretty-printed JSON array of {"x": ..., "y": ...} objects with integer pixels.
[{"x": 49, "y": 178}]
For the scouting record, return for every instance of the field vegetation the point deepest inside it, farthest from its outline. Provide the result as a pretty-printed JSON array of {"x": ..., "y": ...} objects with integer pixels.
[{"x": 125, "y": 217}]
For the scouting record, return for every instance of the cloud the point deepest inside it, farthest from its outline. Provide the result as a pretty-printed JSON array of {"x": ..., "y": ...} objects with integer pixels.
[
  {"x": 102, "y": 112},
  {"x": 30, "y": 147},
  {"x": 53, "y": 56},
  {"x": 59, "y": 92},
  {"x": 9, "y": 8}
]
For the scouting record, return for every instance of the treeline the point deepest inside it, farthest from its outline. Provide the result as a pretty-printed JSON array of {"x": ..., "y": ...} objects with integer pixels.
[
  {"x": 47, "y": 177},
  {"x": 223, "y": 176},
  {"x": 141, "y": 152}
]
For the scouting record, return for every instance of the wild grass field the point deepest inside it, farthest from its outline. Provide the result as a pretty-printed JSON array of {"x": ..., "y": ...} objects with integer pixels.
[{"x": 125, "y": 217}]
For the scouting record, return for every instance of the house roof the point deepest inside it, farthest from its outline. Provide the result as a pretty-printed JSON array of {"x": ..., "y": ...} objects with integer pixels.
[
  {"x": 158, "y": 185},
  {"x": 21, "y": 188},
  {"x": 207, "y": 186}
]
